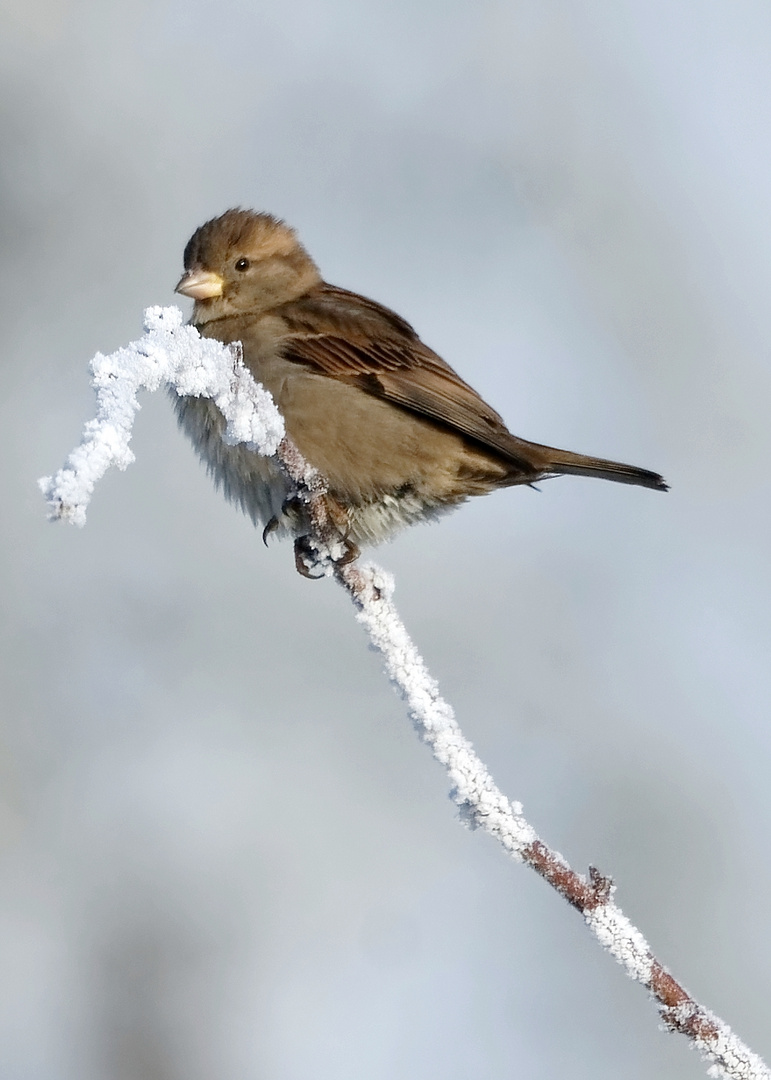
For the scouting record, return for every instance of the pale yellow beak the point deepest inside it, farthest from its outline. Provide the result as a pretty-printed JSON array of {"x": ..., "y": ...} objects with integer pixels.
[{"x": 200, "y": 284}]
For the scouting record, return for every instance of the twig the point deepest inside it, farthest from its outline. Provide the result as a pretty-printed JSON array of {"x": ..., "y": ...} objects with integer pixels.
[
  {"x": 483, "y": 805},
  {"x": 174, "y": 354}
]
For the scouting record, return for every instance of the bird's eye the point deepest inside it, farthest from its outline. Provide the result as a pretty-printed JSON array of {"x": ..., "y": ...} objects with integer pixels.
[{"x": 242, "y": 264}]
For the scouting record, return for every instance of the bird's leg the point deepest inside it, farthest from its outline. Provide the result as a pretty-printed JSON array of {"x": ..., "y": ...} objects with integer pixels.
[{"x": 339, "y": 518}]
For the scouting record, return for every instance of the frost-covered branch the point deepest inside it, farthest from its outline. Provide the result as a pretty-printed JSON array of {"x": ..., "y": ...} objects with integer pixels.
[
  {"x": 175, "y": 354},
  {"x": 172, "y": 354}
]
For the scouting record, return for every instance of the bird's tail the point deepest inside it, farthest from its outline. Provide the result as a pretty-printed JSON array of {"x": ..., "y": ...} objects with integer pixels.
[{"x": 553, "y": 462}]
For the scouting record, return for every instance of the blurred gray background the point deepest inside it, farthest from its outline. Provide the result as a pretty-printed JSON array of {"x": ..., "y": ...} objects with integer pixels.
[{"x": 224, "y": 853}]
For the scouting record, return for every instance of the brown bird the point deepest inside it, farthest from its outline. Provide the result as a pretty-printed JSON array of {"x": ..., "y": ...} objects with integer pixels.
[{"x": 398, "y": 435}]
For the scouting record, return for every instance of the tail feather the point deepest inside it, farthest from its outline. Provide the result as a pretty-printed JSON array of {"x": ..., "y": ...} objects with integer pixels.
[
  {"x": 581, "y": 465},
  {"x": 554, "y": 462}
]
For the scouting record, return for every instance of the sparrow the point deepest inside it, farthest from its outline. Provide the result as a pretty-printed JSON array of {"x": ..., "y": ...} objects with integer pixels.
[{"x": 398, "y": 435}]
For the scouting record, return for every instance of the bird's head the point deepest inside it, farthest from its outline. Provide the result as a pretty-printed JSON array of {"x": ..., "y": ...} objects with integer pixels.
[{"x": 244, "y": 262}]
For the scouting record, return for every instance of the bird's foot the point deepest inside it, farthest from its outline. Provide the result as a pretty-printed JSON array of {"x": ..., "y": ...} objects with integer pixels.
[
  {"x": 334, "y": 548},
  {"x": 290, "y": 518},
  {"x": 351, "y": 553},
  {"x": 306, "y": 558}
]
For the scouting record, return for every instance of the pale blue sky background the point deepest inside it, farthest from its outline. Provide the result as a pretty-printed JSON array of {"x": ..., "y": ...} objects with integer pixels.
[{"x": 223, "y": 852}]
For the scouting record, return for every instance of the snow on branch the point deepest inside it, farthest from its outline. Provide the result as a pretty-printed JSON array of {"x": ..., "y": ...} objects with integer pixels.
[
  {"x": 176, "y": 355},
  {"x": 169, "y": 353}
]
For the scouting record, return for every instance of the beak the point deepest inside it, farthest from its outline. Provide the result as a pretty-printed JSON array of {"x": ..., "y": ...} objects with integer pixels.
[{"x": 200, "y": 284}]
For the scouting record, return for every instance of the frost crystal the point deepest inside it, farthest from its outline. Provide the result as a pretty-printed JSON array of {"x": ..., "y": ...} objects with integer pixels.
[{"x": 170, "y": 353}]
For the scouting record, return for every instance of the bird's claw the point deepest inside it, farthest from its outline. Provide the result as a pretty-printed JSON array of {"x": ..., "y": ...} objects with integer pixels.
[{"x": 269, "y": 529}]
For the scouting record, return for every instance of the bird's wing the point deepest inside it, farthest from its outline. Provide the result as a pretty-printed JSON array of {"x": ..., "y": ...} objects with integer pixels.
[{"x": 348, "y": 337}]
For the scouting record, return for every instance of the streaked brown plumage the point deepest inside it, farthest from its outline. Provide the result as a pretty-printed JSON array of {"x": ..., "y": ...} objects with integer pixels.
[{"x": 399, "y": 436}]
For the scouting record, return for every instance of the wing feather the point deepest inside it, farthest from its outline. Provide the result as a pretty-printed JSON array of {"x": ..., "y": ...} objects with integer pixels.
[{"x": 349, "y": 337}]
